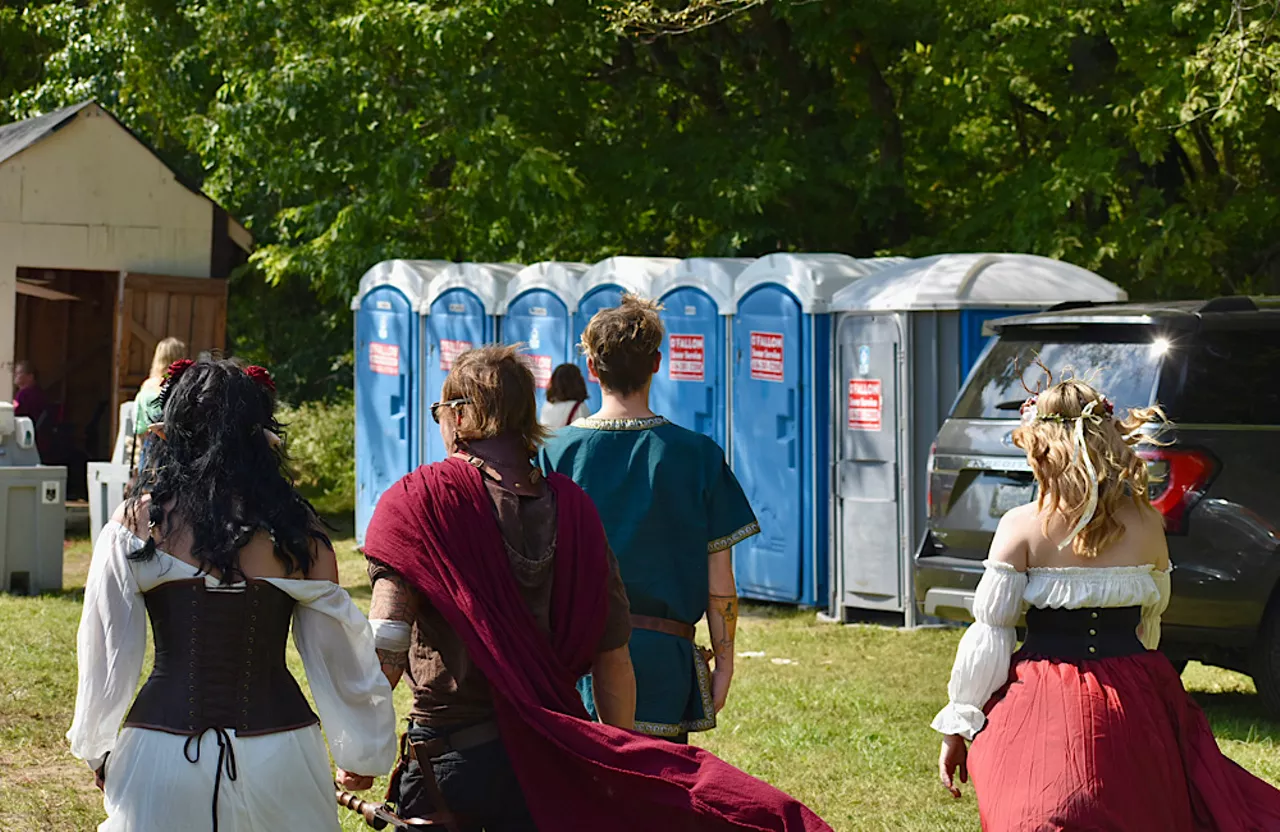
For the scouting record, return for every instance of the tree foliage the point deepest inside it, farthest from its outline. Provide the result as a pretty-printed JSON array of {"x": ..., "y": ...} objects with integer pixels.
[{"x": 1129, "y": 136}]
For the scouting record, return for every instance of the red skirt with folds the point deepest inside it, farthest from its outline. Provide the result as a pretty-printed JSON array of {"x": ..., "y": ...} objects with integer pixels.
[{"x": 1113, "y": 744}]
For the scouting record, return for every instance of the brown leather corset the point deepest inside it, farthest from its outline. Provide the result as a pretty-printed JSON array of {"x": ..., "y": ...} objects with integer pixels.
[{"x": 220, "y": 661}]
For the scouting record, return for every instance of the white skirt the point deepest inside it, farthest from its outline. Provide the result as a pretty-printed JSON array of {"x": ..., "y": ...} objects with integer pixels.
[{"x": 283, "y": 781}]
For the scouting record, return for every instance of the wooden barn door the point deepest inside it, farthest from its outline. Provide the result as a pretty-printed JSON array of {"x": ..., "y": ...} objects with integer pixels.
[{"x": 155, "y": 307}]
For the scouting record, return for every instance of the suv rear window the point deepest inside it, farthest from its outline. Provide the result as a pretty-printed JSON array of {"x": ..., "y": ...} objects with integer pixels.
[
  {"x": 1121, "y": 362},
  {"x": 1228, "y": 378}
]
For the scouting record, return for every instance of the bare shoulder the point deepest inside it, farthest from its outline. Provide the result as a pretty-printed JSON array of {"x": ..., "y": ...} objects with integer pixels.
[
  {"x": 134, "y": 514},
  {"x": 1013, "y": 536},
  {"x": 324, "y": 563}
]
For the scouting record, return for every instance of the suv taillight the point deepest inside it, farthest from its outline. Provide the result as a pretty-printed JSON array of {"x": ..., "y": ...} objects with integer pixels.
[
  {"x": 1179, "y": 478},
  {"x": 928, "y": 494}
]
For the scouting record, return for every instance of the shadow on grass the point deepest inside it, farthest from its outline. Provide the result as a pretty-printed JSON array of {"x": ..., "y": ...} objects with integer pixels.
[{"x": 1236, "y": 715}]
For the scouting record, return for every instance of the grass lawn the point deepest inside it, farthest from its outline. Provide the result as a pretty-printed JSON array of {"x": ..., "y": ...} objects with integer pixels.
[{"x": 838, "y": 716}]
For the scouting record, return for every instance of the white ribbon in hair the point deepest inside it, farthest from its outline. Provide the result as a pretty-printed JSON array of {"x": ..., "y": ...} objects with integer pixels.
[{"x": 1082, "y": 453}]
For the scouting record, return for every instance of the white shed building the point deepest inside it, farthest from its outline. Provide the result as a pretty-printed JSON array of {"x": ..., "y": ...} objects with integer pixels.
[{"x": 104, "y": 250}]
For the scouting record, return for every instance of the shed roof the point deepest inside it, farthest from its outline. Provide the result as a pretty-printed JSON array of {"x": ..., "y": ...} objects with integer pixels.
[
  {"x": 488, "y": 281},
  {"x": 17, "y": 136},
  {"x": 411, "y": 277},
  {"x": 713, "y": 275},
  {"x": 555, "y": 276},
  {"x": 813, "y": 278},
  {"x": 959, "y": 281}
]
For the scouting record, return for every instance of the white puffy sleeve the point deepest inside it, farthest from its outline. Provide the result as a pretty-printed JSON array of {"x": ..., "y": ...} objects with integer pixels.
[
  {"x": 1149, "y": 631},
  {"x": 110, "y": 646},
  {"x": 350, "y": 691},
  {"x": 982, "y": 660}
]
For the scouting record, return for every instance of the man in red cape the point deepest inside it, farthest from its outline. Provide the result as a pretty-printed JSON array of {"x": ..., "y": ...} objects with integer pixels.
[{"x": 436, "y": 528}]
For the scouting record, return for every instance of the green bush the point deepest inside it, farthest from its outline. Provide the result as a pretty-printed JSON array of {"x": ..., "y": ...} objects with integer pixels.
[{"x": 320, "y": 438}]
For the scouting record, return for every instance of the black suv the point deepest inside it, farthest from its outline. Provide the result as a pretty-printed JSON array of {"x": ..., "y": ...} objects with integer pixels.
[{"x": 1215, "y": 367}]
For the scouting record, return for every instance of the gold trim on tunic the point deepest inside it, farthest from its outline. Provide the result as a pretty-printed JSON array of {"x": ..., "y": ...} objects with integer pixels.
[
  {"x": 731, "y": 540},
  {"x": 592, "y": 423},
  {"x": 708, "y": 721}
]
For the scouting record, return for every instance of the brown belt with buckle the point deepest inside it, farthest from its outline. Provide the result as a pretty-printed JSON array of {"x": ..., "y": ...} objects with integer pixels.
[{"x": 679, "y": 629}]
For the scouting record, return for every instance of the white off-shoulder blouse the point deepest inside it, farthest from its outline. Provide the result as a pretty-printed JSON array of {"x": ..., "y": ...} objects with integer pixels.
[
  {"x": 332, "y": 636},
  {"x": 982, "y": 660}
]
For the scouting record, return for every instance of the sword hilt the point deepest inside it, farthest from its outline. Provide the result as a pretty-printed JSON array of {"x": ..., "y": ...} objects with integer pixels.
[{"x": 363, "y": 808}]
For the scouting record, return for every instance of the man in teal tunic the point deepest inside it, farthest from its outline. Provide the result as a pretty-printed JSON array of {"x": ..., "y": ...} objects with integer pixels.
[{"x": 672, "y": 510}]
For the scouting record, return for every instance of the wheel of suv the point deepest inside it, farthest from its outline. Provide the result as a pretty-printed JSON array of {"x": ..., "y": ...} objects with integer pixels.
[{"x": 1266, "y": 660}]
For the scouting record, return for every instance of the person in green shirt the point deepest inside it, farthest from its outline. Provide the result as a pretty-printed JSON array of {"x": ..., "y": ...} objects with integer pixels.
[
  {"x": 146, "y": 405},
  {"x": 672, "y": 511}
]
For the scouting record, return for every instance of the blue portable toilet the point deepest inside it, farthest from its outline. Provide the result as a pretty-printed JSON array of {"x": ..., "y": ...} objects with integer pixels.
[
  {"x": 537, "y": 312},
  {"x": 461, "y": 309},
  {"x": 692, "y": 388},
  {"x": 779, "y": 422},
  {"x": 602, "y": 287},
  {"x": 905, "y": 340},
  {"x": 388, "y": 395}
]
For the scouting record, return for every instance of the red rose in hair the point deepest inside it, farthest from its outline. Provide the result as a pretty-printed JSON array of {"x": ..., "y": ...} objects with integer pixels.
[
  {"x": 176, "y": 369},
  {"x": 260, "y": 375}
]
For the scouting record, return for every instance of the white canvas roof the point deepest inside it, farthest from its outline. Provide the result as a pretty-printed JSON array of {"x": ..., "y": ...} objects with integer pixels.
[
  {"x": 959, "y": 281},
  {"x": 409, "y": 276},
  {"x": 813, "y": 278},
  {"x": 487, "y": 280},
  {"x": 713, "y": 275},
  {"x": 557, "y": 277},
  {"x": 635, "y": 274}
]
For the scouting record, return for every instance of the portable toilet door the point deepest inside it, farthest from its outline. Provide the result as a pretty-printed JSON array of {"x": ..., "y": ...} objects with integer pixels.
[
  {"x": 905, "y": 341},
  {"x": 537, "y": 313},
  {"x": 388, "y": 406},
  {"x": 460, "y": 308},
  {"x": 778, "y": 425},
  {"x": 602, "y": 287},
  {"x": 691, "y": 388}
]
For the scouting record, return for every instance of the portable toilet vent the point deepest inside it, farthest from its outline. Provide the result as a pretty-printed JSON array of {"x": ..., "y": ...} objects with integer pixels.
[
  {"x": 537, "y": 313},
  {"x": 905, "y": 340},
  {"x": 461, "y": 308},
  {"x": 389, "y": 406},
  {"x": 692, "y": 387},
  {"x": 779, "y": 421}
]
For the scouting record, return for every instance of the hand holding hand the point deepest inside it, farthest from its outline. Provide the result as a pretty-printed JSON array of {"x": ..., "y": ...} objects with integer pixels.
[
  {"x": 354, "y": 782},
  {"x": 952, "y": 759}
]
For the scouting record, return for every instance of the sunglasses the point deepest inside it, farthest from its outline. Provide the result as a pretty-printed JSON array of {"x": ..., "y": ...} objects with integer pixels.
[{"x": 435, "y": 408}]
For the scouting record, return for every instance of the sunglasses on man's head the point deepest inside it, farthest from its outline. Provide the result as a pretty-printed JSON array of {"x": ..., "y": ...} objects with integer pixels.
[{"x": 435, "y": 408}]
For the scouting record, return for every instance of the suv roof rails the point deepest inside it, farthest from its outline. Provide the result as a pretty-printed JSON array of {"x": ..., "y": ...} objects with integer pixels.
[
  {"x": 1231, "y": 303},
  {"x": 1072, "y": 304}
]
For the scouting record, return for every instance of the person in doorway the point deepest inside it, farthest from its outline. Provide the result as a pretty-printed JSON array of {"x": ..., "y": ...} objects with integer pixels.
[
  {"x": 566, "y": 398},
  {"x": 146, "y": 405},
  {"x": 672, "y": 510},
  {"x": 1091, "y": 727},
  {"x": 29, "y": 400},
  {"x": 224, "y": 556},
  {"x": 494, "y": 591}
]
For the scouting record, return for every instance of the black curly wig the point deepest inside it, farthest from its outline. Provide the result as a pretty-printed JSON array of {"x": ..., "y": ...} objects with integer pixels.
[{"x": 216, "y": 470}]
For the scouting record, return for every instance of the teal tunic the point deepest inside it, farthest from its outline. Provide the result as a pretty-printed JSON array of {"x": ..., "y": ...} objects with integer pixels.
[{"x": 667, "y": 500}]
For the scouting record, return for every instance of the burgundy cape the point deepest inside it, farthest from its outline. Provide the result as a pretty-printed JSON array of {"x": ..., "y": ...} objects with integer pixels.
[{"x": 437, "y": 529}]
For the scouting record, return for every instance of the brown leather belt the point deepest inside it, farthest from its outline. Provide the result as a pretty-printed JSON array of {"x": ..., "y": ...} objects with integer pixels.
[
  {"x": 466, "y": 738},
  {"x": 679, "y": 629}
]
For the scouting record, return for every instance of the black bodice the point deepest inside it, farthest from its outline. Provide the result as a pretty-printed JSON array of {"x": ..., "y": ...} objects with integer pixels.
[
  {"x": 220, "y": 661},
  {"x": 1082, "y": 634}
]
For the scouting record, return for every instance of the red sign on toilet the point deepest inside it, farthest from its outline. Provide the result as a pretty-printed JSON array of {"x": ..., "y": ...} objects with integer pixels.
[
  {"x": 384, "y": 359},
  {"x": 540, "y": 366},
  {"x": 688, "y": 358},
  {"x": 865, "y": 404},
  {"x": 449, "y": 352},
  {"x": 767, "y": 356}
]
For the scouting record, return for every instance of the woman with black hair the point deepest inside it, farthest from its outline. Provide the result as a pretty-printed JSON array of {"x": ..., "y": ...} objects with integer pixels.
[
  {"x": 566, "y": 398},
  {"x": 219, "y": 550}
]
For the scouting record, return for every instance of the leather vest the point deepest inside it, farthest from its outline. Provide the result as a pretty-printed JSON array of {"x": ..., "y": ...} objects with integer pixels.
[{"x": 220, "y": 661}]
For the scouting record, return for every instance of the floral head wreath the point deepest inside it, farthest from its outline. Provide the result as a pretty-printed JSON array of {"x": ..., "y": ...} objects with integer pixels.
[{"x": 177, "y": 368}]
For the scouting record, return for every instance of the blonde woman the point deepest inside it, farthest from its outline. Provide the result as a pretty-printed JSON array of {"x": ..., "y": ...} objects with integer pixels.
[
  {"x": 1087, "y": 726},
  {"x": 146, "y": 405}
]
